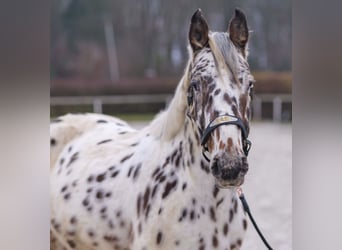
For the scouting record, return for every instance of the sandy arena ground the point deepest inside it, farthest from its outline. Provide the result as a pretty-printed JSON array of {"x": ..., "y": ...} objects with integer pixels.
[{"x": 268, "y": 185}]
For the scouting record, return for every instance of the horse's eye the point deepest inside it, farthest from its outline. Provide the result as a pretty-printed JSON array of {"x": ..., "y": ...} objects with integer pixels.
[{"x": 251, "y": 83}]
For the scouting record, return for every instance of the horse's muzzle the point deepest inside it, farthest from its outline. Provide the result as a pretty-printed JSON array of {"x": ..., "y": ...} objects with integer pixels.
[{"x": 229, "y": 170}]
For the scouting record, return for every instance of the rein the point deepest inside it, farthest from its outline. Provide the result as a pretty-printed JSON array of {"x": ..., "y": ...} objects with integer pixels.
[
  {"x": 225, "y": 120},
  {"x": 248, "y": 211}
]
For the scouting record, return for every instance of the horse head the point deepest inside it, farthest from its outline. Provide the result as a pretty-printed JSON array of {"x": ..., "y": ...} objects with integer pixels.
[{"x": 219, "y": 94}]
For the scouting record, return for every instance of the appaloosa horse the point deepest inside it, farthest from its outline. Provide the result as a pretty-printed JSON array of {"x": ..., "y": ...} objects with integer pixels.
[{"x": 171, "y": 185}]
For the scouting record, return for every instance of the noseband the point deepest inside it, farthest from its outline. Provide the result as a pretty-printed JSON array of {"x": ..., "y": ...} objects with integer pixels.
[{"x": 225, "y": 120}]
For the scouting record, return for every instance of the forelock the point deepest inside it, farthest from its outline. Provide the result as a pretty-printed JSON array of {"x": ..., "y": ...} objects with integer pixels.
[{"x": 225, "y": 53}]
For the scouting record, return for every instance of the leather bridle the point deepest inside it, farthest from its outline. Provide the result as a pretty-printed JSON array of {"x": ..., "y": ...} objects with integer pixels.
[{"x": 221, "y": 120}]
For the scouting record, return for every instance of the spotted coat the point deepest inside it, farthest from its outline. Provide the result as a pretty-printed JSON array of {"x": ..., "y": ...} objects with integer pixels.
[{"x": 114, "y": 187}]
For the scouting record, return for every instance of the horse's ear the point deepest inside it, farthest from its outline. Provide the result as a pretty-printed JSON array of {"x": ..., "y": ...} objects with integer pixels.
[
  {"x": 198, "y": 33},
  {"x": 238, "y": 29}
]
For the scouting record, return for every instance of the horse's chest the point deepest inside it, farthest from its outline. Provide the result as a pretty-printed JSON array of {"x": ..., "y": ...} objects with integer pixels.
[{"x": 189, "y": 222}]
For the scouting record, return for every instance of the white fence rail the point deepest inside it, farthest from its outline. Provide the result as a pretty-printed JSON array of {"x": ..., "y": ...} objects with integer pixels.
[
  {"x": 276, "y": 99},
  {"x": 98, "y": 101}
]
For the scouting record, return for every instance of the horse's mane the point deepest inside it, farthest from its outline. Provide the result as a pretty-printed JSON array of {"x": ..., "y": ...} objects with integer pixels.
[{"x": 169, "y": 122}]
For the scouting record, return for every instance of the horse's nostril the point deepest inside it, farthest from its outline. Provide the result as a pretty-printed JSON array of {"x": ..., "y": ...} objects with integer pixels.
[
  {"x": 229, "y": 168},
  {"x": 244, "y": 169},
  {"x": 215, "y": 168}
]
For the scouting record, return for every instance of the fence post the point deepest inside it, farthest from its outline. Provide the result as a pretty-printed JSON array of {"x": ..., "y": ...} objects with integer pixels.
[
  {"x": 277, "y": 102},
  {"x": 97, "y": 106},
  {"x": 257, "y": 108},
  {"x": 111, "y": 49}
]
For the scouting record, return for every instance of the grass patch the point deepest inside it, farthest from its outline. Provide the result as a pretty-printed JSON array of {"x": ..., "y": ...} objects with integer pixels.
[
  {"x": 136, "y": 117},
  {"x": 131, "y": 117}
]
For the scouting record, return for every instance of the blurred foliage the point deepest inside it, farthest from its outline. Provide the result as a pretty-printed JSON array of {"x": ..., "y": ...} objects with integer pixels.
[
  {"x": 273, "y": 82},
  {"x": 151, "y": 35}
]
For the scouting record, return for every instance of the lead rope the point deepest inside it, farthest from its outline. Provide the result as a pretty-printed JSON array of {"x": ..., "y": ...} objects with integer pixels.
[{"x": 247, "y": 210}]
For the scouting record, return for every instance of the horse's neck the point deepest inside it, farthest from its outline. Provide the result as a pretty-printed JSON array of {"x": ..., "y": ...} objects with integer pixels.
[{"x": 173, "y": 129}]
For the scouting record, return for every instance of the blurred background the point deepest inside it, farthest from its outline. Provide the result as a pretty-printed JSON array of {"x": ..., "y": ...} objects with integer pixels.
[
  {"x": 103, "y": 51},
  {"x": 125, "y": 58}
]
